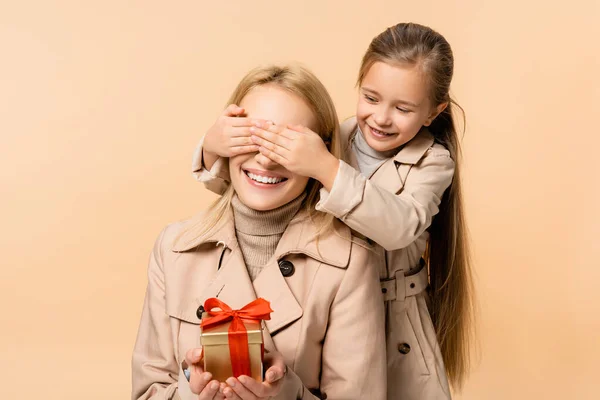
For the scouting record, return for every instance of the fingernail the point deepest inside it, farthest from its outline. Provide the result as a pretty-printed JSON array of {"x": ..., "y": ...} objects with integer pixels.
[
  {"x": 252, "y": 129},
  {"x": 214, "y": 385},
  {"x": 243, "y": 379},
  {"x": 197, "y": 353},
  {"x": 230, "y": 382},
  {"x": 270, "y": 376},
  {"x": 206, "y": 376}
]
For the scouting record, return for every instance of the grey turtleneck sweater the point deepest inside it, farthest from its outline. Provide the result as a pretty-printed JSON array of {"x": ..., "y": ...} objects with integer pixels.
[
  {"x": 368, "y": 159},
  {"x": 259, "y": 232}
]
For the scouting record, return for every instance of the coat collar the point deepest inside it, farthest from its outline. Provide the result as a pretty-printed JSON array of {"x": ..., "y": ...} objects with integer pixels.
[
  {"x": 232, "y": 283},
  {"x": 332, "y": 248},
  {"x": 414, "y": 150}
]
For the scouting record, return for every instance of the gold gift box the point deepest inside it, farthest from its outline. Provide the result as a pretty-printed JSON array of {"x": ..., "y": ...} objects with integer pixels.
[{"x": 215, "y": 343}]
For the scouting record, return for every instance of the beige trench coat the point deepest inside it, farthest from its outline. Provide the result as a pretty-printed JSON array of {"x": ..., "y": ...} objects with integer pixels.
[
  {"x": 394, "y": 208},
  {"x": 328, "y": 319}
]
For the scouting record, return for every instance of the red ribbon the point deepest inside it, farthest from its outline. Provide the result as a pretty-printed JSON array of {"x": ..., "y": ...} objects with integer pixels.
[{"x": 254, "y": 311}]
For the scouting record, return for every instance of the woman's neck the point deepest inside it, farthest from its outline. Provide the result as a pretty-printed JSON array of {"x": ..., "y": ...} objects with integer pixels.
[{"x": 259, "y": 232}]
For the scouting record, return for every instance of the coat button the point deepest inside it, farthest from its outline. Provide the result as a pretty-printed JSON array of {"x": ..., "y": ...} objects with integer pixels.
[
  {"x": 199, "y": 312},
  {"x": 404, "y": 348},
  {"x": 286, "y": 268}
]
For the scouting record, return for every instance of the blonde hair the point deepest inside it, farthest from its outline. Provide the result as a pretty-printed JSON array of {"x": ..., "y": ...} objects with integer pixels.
[
  {"x": 451, "y": 282},
  {"x": 300, "y": 81}
]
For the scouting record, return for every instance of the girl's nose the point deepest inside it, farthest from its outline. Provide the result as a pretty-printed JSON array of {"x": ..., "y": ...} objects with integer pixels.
[{"x": 382, "y": 117}]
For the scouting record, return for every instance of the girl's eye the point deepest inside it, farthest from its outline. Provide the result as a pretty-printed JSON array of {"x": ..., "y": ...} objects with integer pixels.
[
  {"x": 402, "y": 110},
  {"x": 370, "y": 99}
]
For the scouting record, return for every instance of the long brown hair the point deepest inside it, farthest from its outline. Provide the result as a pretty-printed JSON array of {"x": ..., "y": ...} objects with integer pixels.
[
  {"x": 304, "y": 84},
  {"x": 447, "y": 254}
]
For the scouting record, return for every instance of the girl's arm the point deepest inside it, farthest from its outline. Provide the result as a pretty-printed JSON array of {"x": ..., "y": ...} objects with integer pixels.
[
  {"x": 216, "y": 179},
  {"x": 392, "y": 220}
]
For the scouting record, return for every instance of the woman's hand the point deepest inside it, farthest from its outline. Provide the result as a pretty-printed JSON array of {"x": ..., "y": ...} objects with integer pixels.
[
  {"x": 200, "y": 381},
  {"x": 298, "y": 149},
  {"x": 246, "y": 388},
  {"x": 229, "y": 136}
]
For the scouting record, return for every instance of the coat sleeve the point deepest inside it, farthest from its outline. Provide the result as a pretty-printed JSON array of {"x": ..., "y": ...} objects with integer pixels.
[
  {"x": 354, "y": 351},
  {"x": 392, "y": 220},
  {"x": 154, "y": 366},
  {"x": 217, "y": 179}
]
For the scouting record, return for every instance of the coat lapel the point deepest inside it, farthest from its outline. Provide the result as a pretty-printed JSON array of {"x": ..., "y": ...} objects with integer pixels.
[
  {"x": 393, "y": 173},
  {"x": 272, "y": 286},
  {"x": 232, "y": 285}
]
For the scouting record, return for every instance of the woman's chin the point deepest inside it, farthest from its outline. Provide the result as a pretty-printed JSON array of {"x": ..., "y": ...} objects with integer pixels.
[{"x": 260, "y": 203}]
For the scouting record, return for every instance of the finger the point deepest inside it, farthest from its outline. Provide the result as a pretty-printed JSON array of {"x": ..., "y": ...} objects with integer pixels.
[
  {"x": 298, "y": 128},
  {"x": 276, "y": 367},
  {"x": 290, "y": 134},
  {"x": 239, "y": 131},
  {"x": 229, "y": 392},
  {"x": 210, "y": 392},
  {"x": 241, "y": 141},
  {"x": 274, "y": 374},
  {"x": 237, "y": 122},
  {"x": 198, "y": 378},
  {"x": 241, "y": 390},
  {"x": 269, "y": 126},
  {"x": 235, "y": 151},
  {"x": 233, "y": 110},
  {"x": 200, "y": 381},
  {"x": 257, "y": 388},
  {"x": 194, "y": 356},
  {"x": 282, "y": 151},
  {"x": 273, "y": 156},
  {"x": 275, "y": 138}
]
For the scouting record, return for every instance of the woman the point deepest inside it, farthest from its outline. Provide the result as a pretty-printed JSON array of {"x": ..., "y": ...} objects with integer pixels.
[{"x": 264, "y": 238}]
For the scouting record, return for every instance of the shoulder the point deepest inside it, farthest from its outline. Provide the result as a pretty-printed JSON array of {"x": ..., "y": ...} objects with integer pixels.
[
  {"x": 176, "y": 236},
  {"x": 167, "y": 237},
  {"x": 438, "y": 150},
  {"x": 436, "y": 157},
  {"x": 347, "y": 127}
]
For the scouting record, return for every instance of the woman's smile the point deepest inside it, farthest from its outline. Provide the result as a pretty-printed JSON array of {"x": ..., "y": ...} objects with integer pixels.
[{"x": 264, "y": 179}]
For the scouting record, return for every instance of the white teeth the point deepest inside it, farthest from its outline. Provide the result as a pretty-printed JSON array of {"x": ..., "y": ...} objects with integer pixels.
[
  {"x": 263, "y": 179},
  {"x": 381, "y": 132}
]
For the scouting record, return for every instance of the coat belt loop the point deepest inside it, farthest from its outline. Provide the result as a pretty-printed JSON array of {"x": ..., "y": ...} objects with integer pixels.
[{"x": 400, "y": 286}]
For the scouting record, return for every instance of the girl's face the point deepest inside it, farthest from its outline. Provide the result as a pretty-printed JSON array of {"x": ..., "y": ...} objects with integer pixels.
[
  {"x": 393, "y": 105},
  {"x": 260, "y": 183}
]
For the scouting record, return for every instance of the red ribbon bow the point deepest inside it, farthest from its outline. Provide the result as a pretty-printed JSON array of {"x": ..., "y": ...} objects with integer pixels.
[{"x": 257, "y": 310}]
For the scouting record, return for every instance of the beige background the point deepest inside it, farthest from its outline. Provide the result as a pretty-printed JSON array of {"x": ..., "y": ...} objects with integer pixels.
[{"x": 102, "y": 103}]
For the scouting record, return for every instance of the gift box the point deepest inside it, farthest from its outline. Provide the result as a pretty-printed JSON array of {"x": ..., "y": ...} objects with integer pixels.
[{"x": 232, "y": 340}]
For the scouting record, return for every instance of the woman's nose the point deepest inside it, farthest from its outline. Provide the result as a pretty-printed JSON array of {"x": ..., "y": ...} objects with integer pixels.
[{"x": 265, "y": 162}]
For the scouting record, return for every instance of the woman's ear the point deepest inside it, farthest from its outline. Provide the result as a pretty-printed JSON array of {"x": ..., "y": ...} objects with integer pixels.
[{"x": 435, "y": 112}]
